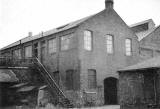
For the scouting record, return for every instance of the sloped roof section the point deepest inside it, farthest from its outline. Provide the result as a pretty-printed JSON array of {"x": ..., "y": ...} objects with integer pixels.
[
  {"x": 150, "y": 32},
  {"x": 7, "y": 76},
  {"x": 66, "y": 26},
  {"x": 143, "y": 34},
  {"x": 52, "y": 31},
  {"x": 142, "y": 22},
  {"x": 143, "y": 29},
  {"x": 147, "y": 64}
]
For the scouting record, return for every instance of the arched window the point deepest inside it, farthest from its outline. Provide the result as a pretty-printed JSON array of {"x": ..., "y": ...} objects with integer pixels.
[
  {"x": 88, "y": 40},
  {"x": 109, "y": 44},
  {"x": 128, "y": 46}
]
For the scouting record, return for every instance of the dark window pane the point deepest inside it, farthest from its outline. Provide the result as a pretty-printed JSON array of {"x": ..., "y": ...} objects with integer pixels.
[
  {"x": 69, "y": 79},
  {"x": 92, "y": 83}
]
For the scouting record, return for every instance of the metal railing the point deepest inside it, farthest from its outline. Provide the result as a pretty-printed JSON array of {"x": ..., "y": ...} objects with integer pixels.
[
  {"x": 10, "y": 61},
  {"x": 35, "y": 62},
  {"x": 52, "y": 84}
]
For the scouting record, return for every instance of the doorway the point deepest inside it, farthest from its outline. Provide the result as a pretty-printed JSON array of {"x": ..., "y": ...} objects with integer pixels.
[
  {"x": 56, "y": 77},
  {"x": 43, "y": 51},
  {"x": 35, "y": 50},
  {"x": 110, "y": 91}
]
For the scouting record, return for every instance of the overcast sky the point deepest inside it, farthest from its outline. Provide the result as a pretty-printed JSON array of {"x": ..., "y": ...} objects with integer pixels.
[{"x": 18, "y": 17}]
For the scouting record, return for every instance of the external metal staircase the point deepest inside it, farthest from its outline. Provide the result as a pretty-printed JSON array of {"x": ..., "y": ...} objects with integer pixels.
[
  {"x": 55, "y": 89},
  {"x": 8, "y": 62}
]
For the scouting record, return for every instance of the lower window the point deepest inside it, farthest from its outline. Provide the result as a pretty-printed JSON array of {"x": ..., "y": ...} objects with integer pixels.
[{"x": 92, "y": 81}]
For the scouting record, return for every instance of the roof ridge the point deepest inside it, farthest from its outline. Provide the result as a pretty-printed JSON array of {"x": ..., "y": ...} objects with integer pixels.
[
  {"x": 150, "y": 32},
  {"x": 141, "y": 22},
  {"x": 51, "y": 31},
  {"x": 149, "y": 63}
]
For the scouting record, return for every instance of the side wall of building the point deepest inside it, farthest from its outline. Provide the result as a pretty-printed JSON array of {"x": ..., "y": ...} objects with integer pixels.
[
  {"x": 57, "y": 63},
  {"x": 139, "y": 88},
  {"x": 150, "y": 45},
  {"x": 106, "y": 65}
]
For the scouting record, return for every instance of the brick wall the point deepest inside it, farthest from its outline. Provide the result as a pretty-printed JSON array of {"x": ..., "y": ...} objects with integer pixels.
[
  {"x": 139, "y": 89},
  {"x": 106, "y": 65}
]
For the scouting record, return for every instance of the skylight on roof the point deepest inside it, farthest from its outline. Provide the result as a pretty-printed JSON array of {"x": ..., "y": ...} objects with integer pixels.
[{"x": 61, "y": 27}]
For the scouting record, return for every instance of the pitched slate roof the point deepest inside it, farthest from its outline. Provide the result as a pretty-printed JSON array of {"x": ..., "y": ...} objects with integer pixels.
[
  {"x": 142, "y": 22},
  {"x": 150, "y": 32},
  {"x": 143, "y": 33},
  {"x": 49, "y": 32},
  {"x": 147, "y": 64}
]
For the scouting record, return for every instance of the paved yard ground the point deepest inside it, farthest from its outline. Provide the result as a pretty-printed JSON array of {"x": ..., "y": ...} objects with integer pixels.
[
  {"x": 102, "y": 107},
  {"x": 105, "y": 107},
  {"x": 52, "y": 107}
]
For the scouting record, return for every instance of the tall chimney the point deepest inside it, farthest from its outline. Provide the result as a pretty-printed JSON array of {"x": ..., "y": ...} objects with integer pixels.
[{"x": 109, "y": 3}]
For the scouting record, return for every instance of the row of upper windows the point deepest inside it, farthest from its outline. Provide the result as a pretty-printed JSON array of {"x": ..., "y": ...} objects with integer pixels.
[
  {"x": 64, "y": 43},
  {"x": 109, "y": 39},
  {"x": 88, "y": 44},
  {"x": 28, "y": 52},
  {"x": 52, "y": 47}
]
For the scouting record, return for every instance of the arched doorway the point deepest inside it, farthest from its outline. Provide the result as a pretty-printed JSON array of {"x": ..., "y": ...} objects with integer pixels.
[{"x": 110, "y": 91}]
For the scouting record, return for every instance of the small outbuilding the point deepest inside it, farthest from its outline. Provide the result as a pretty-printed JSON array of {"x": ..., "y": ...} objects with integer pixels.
[
  {"x": 7, "y": 79},
  {"x": 139, "y": 85}
]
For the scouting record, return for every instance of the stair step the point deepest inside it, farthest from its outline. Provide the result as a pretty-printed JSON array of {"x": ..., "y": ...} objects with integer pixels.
[{"x": 53, "y": 85}]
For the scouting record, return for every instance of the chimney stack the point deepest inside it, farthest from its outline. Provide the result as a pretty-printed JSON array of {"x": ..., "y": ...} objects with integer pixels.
[
  {"x": 109, "y": 3},
  {"x": 29, "y": 34}
]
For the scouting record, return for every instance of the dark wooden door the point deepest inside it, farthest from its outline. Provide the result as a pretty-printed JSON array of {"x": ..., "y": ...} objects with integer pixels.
[
  {"x": 110, "y": 91},
  {"x": 43, "y": 51},
  {"x": 56, "y": 77}
]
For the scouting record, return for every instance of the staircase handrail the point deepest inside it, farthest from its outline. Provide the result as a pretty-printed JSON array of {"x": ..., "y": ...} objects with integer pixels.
[{"x": 50, "y": 76}]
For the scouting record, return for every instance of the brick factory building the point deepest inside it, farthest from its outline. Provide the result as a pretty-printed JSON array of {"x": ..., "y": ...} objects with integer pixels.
[{"x": 80, "y": 59}]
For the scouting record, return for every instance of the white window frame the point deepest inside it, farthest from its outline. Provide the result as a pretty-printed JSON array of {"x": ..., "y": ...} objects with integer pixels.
[
  {"x": 65, "y": 41},
  {"x": 128, "y": 47},
  {"x": 28, "y": 51},
  {"x": 88, "y": 40},
  {"x": 52, "y": 46},
  {"x": 109, "y": 43},
  {"x": 17, "y": 53}
]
